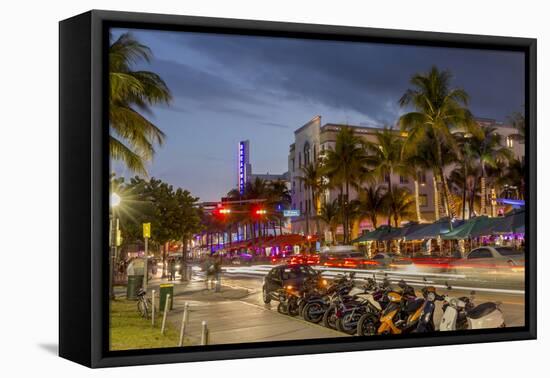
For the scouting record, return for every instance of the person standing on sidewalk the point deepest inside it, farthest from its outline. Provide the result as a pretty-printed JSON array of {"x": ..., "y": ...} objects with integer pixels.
[
  {"x": 172, "y": 269},
  {"x": 210, "y": 268}
]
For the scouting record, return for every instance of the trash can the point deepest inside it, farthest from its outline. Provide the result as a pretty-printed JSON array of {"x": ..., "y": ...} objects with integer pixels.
[
  {"x": 166, "y": 289},
  {"x": 134, "y": 283}
]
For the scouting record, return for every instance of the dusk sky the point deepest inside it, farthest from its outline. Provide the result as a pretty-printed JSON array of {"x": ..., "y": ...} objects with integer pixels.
[{"x": 231, "y": 88}]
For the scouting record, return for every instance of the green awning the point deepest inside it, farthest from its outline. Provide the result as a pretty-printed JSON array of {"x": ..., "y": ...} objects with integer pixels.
[
  {"x": 432, "y": 230},
  {"x": 511, "y": 223},
  {"x": 472, "y": 228},
  {"x": 373, "y": 235}
]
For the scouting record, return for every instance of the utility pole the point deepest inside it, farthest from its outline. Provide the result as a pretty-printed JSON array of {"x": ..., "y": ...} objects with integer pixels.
[{"x": 146, "y": 236}]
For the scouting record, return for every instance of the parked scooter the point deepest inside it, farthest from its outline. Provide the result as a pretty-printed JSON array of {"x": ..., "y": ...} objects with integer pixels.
[
  {"x": 461, "y": 313},
  {"x": 370, "y": 299},
  {"x": 426, "y": 320},
  {"x": 316, "y": 305},
  {"x": 401, "y": 315},
  {"x": 336, "y": 300},
  {"x": 292, "y": 299}
]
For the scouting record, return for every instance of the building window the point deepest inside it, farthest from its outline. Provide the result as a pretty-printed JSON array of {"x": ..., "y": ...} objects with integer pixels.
[
  {"x": 423, "y": 200},
  {"x": 509, "y": 142},
  {"x": 307, "y": 151},
  {"x": 301, "y": 210},
  {"x": 293, "y": 187},
  {"x": 422, "y": 178},
  {"x": 299, "y": 160},
  {"x": 403, "y": 179},
  {"x": 387, "y": 177},
  {"x": 293, "y": 168}
]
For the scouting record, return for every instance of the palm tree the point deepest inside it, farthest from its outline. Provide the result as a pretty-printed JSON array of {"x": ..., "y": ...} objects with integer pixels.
[
  {"x": 132, "y": 93},
  {"x": 372, "y": 203},
  {"x": 312, "y": 180},
  {"x": 281, "y": 197},
  {"x": 417, "y": 164},
  {"x": 438, "y": 111},
  {"x": 330, "y": 214},
  {"x": 386, "y": 156},
  {"x": 514, "y": 176},
  {"x": 400, "y": 203},
  {"x": 517, "y": 121},
  {"x": 345, "y": 166},
  {"x": 489, "y": 151}
]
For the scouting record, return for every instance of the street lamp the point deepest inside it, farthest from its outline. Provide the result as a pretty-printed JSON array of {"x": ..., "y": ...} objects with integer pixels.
[
  {"x": 113, "y": 231},
  {"x": 115, "y": 200}
]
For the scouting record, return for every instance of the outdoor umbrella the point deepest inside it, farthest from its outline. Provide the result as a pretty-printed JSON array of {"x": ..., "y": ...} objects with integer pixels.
[
  {"x": 374, "y": 235},
  {"x": 511, "y": 223},
  {"x": 472, "y": 228},
  {"x": 432, "y": 230},
  {"x": 392, "y": 234}
]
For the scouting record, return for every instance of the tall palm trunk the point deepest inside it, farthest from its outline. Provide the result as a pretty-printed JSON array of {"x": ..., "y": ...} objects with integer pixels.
[
  {"x": 307, "y": 218},
  {"x": 437, "y": 200},
  {"x": 346, "y": 205},
  {"x": 443, "y": 179},
  {"x": 483, "y": 190},
  {"x": 316, "y": 214},
  {"x": 417, "y": 200},
  {"x": 464, "y": 184},
  {"x": 390, "y": 192},
  {"x": 342, "y": 210},
  {"x": 450, "y": 200}
]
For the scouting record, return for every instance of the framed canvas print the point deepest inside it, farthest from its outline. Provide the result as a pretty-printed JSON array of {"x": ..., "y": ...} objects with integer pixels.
[{"x": 234, "y": 188}]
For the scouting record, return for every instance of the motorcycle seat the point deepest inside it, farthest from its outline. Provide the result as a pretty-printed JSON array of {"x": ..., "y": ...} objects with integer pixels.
[
  {"x": 482, "y": 310},
  {"x": 413, "y": 305}
]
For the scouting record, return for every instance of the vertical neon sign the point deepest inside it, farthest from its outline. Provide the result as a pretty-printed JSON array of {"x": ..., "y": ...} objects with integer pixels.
[{"x": 242, "y": 164}]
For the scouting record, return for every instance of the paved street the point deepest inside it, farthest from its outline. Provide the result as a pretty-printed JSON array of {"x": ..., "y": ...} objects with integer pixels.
[{"x": 237, "y": 314}]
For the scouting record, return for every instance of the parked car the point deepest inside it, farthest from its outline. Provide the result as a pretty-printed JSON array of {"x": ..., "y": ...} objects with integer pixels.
[
  {"x": 491, "y": 257},
  {"x": 284, "y": 276}
]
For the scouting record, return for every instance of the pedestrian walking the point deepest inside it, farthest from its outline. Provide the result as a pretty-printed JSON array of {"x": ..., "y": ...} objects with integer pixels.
[
  {"x": 172, "y": 269},
  {"x": 210, "y": 268}
]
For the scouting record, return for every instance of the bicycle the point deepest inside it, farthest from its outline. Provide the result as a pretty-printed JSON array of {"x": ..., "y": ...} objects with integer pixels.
[{"x": 144, "y": 304}]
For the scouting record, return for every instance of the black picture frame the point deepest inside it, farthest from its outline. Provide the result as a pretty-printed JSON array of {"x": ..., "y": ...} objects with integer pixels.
[{"x": 84, "y": 169}]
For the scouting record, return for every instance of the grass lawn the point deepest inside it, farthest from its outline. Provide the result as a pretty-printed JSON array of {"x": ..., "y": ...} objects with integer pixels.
[{"x": 130, "y": 331}]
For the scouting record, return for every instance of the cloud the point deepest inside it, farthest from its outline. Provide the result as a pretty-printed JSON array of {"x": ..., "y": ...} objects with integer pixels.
[{"x": 358, "y": 76}]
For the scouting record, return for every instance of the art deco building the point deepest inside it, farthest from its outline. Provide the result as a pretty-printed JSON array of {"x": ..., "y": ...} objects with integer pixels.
[{"x": 313, "y": 138}]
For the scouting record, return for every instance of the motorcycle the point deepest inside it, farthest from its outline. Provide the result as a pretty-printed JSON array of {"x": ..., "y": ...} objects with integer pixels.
[
  {"x": 401, "y": 315},
  {"x": 461, "y": 314},
  {"x": 426, "y": 320},
  {"x": 292, "y": 299},
  {"x": 316, "y": 304},
  {"x": 371, "y": 299}
]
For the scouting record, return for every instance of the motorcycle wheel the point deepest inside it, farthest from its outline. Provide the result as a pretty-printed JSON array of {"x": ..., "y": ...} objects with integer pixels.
[
  {"x": 282, "y": 309},
  {"x": 313, "y": 312},
  {"x": 293, "y": 310},
  {"x": 301, "y": 307},
  {"x": 343, "y": 325},
  {"x": 265, "y": 296},
  {"x": 329, "y": 318},
  {"x": 367, "y": 325}
]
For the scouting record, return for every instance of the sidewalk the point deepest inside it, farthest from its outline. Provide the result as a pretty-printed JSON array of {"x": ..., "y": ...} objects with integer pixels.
[{"x": 231, "y": 319}]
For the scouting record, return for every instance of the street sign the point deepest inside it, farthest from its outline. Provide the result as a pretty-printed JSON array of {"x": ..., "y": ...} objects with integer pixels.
[
  {"x": 291, "y": 213},
  {"x": 118, "y": 240},
  {"x": 146, "y": 230}
]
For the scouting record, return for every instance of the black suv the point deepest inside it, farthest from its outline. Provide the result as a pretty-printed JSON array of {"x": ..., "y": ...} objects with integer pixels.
[{"x": 285, "y": 275}]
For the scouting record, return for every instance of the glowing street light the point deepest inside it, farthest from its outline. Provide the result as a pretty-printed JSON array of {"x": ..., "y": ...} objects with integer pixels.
[{"x": 115, "y": 200}]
